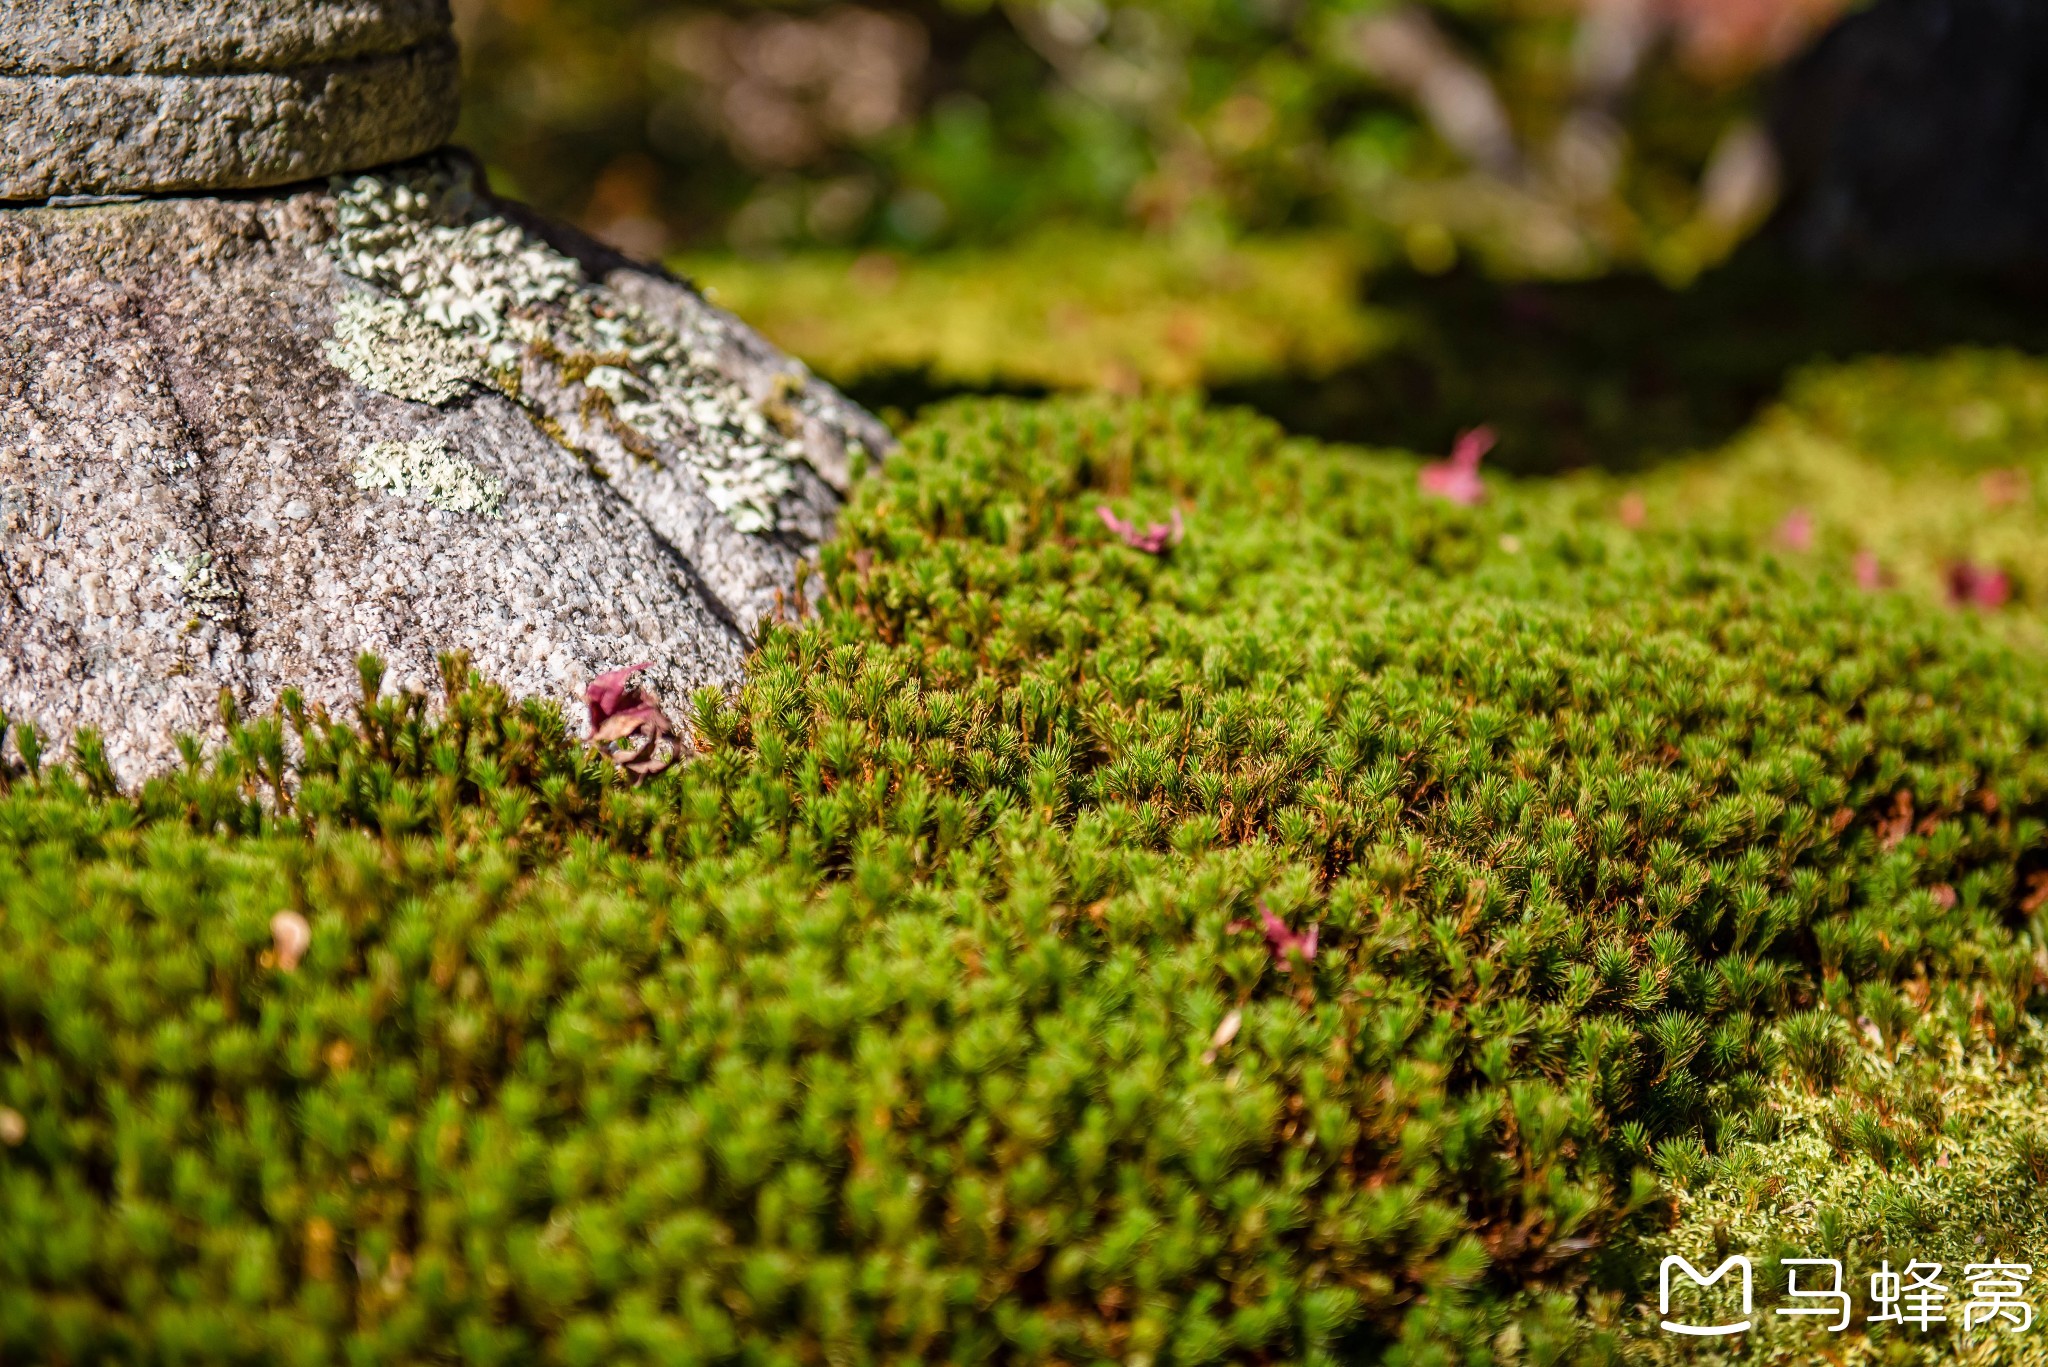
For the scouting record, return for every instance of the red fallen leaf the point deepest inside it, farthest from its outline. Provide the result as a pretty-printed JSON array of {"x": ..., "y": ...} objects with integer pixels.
[
  {"x": 1633, "y": 511},
  {"x": 612, "y": 691},
  {"x": 1153, "y": 540},
  {"x": 1457, "y": 479},
  {"x": 1977, "y": 586},
  {"x": 626, "y": 716}
]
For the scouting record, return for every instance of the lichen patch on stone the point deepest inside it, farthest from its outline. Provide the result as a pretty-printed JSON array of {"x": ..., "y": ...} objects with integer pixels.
[
  {"x": 459, "y": 296},
  {"x": 384, "y": 345},
  {"x": 195, "y": 581},
  {"x": 429, "y": 468}
]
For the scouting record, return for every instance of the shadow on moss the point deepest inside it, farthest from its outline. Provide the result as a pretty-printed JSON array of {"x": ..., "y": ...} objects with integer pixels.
[{"x": 1623, "y": 372}]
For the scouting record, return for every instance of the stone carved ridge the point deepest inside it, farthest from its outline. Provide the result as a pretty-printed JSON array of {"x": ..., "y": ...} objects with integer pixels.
[
  {"x": 207, "y": 37},
  {"x": 111, "y": 97}
]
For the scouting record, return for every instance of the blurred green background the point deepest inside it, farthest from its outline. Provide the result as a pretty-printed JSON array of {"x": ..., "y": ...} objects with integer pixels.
[
  {"x": 1551, "y": 137},
  {"x": 1380, "y": 221}
]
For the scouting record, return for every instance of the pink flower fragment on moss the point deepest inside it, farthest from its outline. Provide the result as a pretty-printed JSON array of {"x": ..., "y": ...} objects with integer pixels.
[
  {"x": 1284, "y": 941},
  {"x": 1977, "y": 586},
  {"x": 1457, "y": 479},
  {"x": 621, "y": 711},
  {"x": 1153, "y": 540},
  {"x": 1795, "y": 533}
]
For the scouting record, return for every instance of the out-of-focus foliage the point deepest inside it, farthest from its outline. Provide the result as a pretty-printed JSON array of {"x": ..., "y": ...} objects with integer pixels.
[
  {"x": 1064, "y": 309},
  {"x": 1328, "y": 336},
  {"x": 1906, "y": 471},
  {"x": 1553, "y": 136}
]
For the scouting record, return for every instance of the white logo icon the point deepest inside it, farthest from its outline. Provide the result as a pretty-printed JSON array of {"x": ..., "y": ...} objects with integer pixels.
[{"x": 1693, "y": 1274}]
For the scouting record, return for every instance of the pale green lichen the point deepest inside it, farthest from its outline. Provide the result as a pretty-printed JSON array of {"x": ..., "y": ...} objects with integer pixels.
[
  {"x": 384, "y": 345},
  {"x": 430, "y": 469},
  {"x": 196, "y": 582},
  {"x": 480, "y": 296}
]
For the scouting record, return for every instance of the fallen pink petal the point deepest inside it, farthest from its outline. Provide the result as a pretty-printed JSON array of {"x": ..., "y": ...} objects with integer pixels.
[
  {"x": 1795, "y": 533},
  {"x": 1286, "y": 942},
  {"x": 1457, "y": 479},
  {"x": 1633, "y": 511},
  {"x": 1978, "y": 586},
  {"x": 1870, "y": 572},
  {"x": 627, "y": 725},
  {"x": 1154, "y": 540}
]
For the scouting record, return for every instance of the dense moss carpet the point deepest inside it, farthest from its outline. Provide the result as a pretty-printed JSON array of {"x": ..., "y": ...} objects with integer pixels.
[{"x": 953, "y": 1004}]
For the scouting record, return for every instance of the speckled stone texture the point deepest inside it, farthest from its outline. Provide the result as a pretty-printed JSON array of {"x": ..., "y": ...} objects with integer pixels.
[
  {"x": 182, "y": 508},
  {"x": 150, "y": 96},
  {"x": 207, "y": 37},
  {"x": 97, "y": 135}
]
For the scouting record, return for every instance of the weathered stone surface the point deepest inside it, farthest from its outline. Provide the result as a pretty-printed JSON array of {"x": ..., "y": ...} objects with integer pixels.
[
  {"x": 208, "y": 37},
  {"x": 97, "y": 135},
  {"x": 218, "y": 467},
  {"x": 1914, "y": 136},
  {"x": 102, "y": 97}
]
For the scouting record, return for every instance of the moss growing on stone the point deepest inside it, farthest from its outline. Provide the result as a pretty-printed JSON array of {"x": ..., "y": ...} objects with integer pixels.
[{"x": 935, "y": 1011}]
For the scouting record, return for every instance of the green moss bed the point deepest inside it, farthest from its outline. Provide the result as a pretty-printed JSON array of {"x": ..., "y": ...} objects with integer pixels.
[{"x": 930, "y": 1014}]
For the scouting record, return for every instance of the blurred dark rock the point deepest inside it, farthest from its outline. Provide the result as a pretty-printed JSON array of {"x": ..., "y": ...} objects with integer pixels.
[{"x": 1915, "y": 137}]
